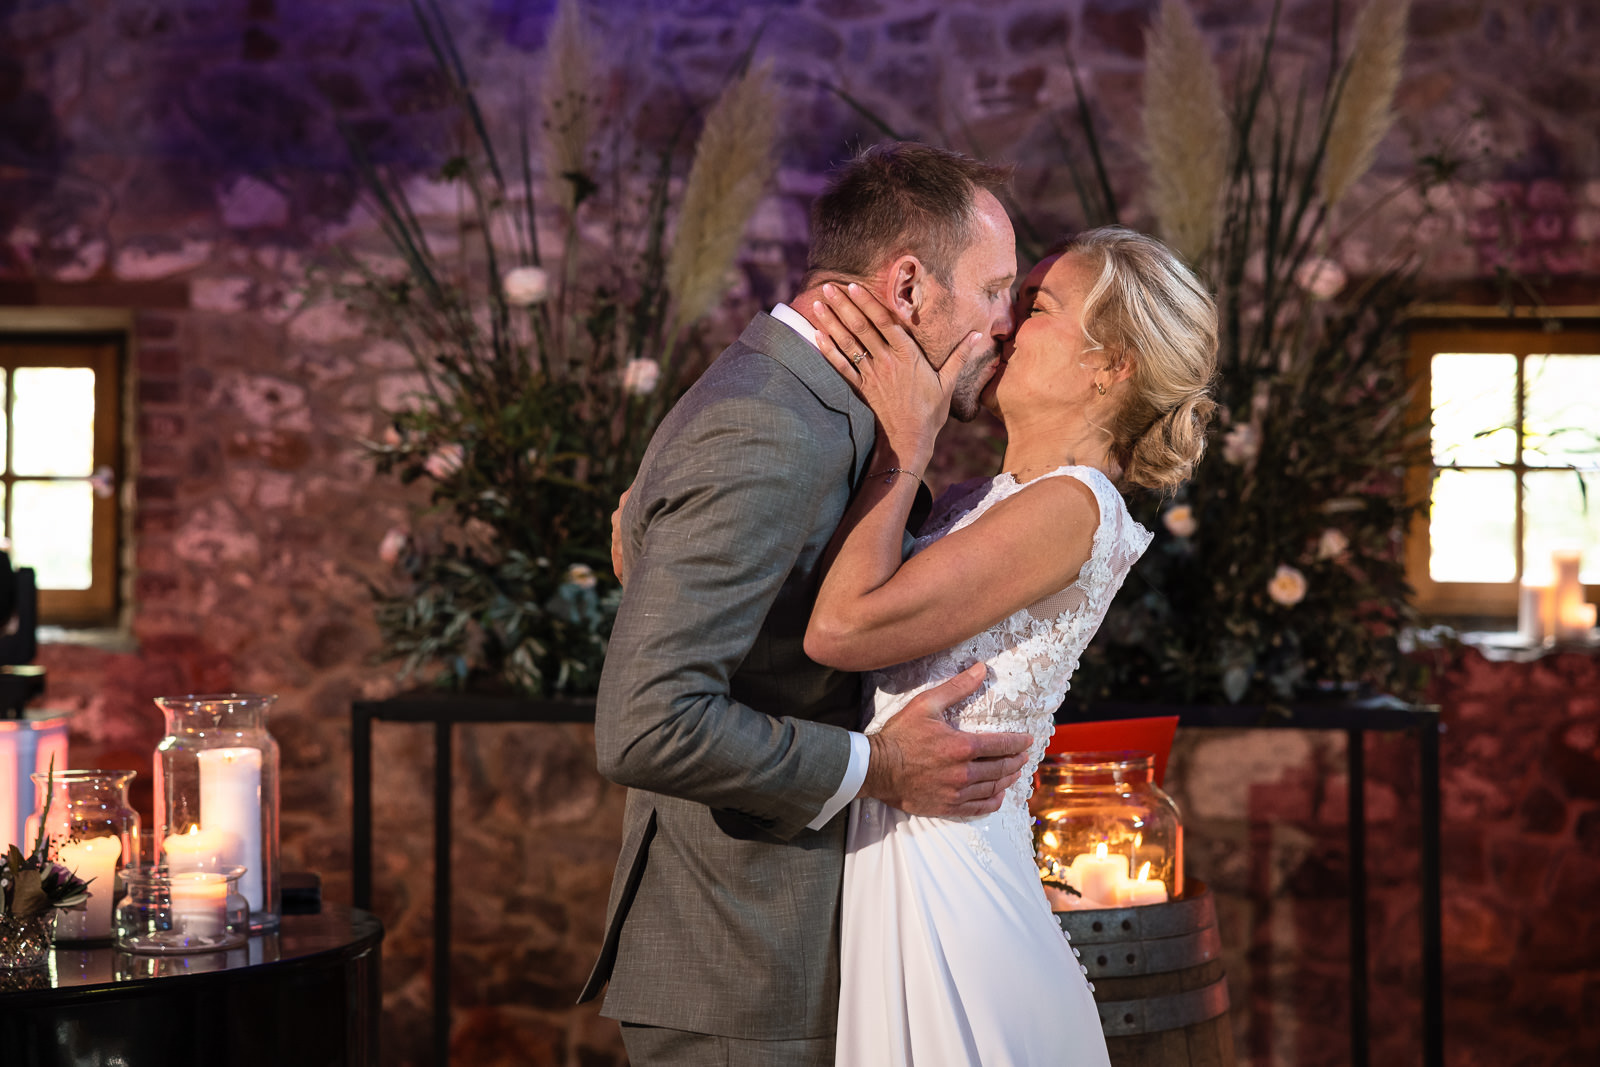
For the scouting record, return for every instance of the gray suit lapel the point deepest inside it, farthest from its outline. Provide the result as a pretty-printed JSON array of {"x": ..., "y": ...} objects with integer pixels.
[{"x": 767, "y": 335}]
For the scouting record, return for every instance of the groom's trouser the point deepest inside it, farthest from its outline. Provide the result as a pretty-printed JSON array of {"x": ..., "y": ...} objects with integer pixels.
[{"x": 655, "y": 1046}]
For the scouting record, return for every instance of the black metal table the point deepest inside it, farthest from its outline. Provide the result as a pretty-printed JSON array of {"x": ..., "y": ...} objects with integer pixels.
[
  {"x": 307, "y": 995},
  {"x": 1356, "y": 719},
  {"x": 443, "y": 711}
]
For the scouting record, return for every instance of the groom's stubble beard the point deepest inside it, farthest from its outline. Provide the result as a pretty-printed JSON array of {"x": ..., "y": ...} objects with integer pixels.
[{"x": 965, "y": 404}]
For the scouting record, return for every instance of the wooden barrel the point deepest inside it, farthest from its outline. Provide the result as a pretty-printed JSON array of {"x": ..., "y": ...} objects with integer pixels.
[{"x": 1158, "y": 980}]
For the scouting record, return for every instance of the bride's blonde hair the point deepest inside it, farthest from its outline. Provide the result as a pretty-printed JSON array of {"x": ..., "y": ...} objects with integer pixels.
[{"x": 1145, "y": 304}]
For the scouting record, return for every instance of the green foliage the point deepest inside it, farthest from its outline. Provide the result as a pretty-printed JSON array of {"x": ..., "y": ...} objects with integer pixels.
[
  {"x": 1307, "y": 468},
  {"x": 544, "y": 365}
]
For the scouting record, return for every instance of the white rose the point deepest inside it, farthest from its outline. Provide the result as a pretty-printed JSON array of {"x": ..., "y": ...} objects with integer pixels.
[
  {"x": 1180, "y": 520},
  {"x": 640, "y": 376},
  {"x": 525, "y": 286},
  {"x": 1332, "y": 543},
  {"x": 1288, "y": 586},
  {"x": 580, "y": 575},
  {"x": 445, "y": 461},
  {"x": 1322, "y": 278},
  {"x": 393, "y": 543},
  {"x": 1241, "y": 444}
]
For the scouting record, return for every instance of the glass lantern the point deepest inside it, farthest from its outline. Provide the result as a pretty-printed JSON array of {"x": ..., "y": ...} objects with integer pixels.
[
  {"x": 216, "y": 795},
  {"x": 1102, "y": 827},
  {"x": 94, "y": 832},
  {"x": 179, "y": 912}
]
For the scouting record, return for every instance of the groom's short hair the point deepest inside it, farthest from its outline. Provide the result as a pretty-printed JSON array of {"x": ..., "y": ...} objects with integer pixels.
[{"x": 895, "y": 198}]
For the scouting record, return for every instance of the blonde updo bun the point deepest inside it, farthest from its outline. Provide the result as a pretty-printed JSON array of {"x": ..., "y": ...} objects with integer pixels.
[{"x": 1147, "y": 306}]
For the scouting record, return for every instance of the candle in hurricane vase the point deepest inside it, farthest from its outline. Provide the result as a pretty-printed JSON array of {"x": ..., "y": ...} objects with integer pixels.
[{"x": 217, "y": 794}]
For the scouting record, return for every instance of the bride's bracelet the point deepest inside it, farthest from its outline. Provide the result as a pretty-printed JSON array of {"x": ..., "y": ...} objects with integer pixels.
[{"x": 892, "y": 471}]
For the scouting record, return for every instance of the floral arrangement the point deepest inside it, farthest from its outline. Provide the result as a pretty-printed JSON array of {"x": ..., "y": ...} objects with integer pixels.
[
  {"x": 33, "y": 884},
  {"x": 550, "y": 338},
  {"x": 1278, "y": 571}
]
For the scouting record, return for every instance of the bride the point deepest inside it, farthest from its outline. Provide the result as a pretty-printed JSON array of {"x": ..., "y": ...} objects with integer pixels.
[{"x": 949, "y": 952}]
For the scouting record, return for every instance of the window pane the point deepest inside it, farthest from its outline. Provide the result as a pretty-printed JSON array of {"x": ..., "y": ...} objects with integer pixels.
[
  {"x": 5, "y": 408},
  {"x": 1474, "y": 409},
  {"x": 1557, "y": 516},
  {"x": 1561, "y": 413},
  {"x": 54, "y": 420},
  {"x": 1472, "y": 527},
  {"x": 52, "y": 532}
]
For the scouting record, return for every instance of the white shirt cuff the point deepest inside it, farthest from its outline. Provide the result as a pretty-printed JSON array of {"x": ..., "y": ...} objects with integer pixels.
[{"x": 854, "y": 774}]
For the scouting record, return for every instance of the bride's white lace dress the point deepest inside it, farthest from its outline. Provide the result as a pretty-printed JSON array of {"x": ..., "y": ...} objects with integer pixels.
[{"x": 950, "y": 955}]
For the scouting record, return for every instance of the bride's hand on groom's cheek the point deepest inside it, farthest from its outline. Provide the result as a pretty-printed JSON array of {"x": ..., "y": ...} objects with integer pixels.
[
  {"x": 883, "y": 363},
  {"x": 924, "y": 766}
]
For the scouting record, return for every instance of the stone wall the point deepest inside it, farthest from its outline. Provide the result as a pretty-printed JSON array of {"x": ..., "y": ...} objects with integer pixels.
[
  {"x": 1265, "y": 814},
  {"x": 183, "y": 160}
]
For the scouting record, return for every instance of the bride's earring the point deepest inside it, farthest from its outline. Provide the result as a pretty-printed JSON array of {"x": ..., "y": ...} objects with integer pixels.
[{"x": 1099, "y": 388}]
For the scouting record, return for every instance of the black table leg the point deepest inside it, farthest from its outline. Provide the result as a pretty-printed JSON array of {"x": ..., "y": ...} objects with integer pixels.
[
  {"x": 1356, "y": 802},
  {"x": 1432, "y": 931},
  {"x": 443, "y": 782},
  {"x": 361, "y": 807}
]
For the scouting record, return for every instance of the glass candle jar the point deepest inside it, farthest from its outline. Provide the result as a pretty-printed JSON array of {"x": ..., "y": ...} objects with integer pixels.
[
  {"x": 216, "y": 794},
  {"x": 94, "y": 832},
  {"x": 1103, "y": 827},
  {"x": 178, "y": 912}
]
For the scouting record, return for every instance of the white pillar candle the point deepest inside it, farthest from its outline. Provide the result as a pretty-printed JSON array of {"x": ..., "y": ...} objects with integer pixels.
[
  {"x": 12, "y": 804},
  {"x": 1142, "y": 890},
  {"x": 1100, "y": 875},
  {"x": 1568, "y": 595},
  {"x": 1577, "y": 619},
  {"x": 230, "y": 802},
  {"x": 199, "y": 903},
  {"x": 197, "y": 850},
  {"x": 95, "y": 861}
]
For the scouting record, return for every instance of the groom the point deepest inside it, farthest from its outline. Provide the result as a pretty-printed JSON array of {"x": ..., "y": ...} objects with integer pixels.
[{"x": 721, "y": 940}]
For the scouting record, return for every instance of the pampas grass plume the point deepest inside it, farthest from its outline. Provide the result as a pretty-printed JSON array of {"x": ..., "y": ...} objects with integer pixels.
[
  {"x": 1364, "y": 111},
  {"x": 1186, "y": 131},
  {"x": 732, "y": 164},
  {"x": 567, "y": 107}
]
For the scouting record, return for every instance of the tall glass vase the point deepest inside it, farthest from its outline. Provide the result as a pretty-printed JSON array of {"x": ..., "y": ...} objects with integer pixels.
[
  {"x": 94, "y": 832},
  {"x": 216, "y": 794}
]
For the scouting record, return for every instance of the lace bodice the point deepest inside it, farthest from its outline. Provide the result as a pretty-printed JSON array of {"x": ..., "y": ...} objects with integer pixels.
[{"x": 1033, "y": 654}]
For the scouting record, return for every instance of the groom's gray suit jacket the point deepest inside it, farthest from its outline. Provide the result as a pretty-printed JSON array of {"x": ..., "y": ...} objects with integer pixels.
[{"x": 724, "y": 911}]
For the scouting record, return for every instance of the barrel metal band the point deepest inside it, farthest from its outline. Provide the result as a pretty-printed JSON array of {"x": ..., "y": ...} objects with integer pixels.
[
  {"x": 1161, "y": 956},
  {"x": 1124, "y": 1018}
]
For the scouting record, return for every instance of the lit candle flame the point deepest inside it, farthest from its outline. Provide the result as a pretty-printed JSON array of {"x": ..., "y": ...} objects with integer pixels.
[
  {"x": 1138, "y": 839},
  {"x": 1144, "y": 872},
  {"x": 1051, "y": 839},
  {"x": 1100, "y": 851}
]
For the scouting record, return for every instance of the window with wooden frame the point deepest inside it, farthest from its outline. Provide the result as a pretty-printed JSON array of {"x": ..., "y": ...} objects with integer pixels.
[
  {"x": 60, "y": 439},
  {"x": 1515, "y": 429}
]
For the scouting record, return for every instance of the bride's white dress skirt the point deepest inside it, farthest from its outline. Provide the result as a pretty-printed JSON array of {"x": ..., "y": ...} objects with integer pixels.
[{"x": 950, "y": 956}]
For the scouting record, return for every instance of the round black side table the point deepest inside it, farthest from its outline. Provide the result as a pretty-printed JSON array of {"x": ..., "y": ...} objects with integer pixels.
[{"x": 308, "y": 995}]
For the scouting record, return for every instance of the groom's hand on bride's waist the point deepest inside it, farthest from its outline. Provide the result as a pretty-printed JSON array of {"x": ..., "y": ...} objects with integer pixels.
[{"x": 923, "y": 765}]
